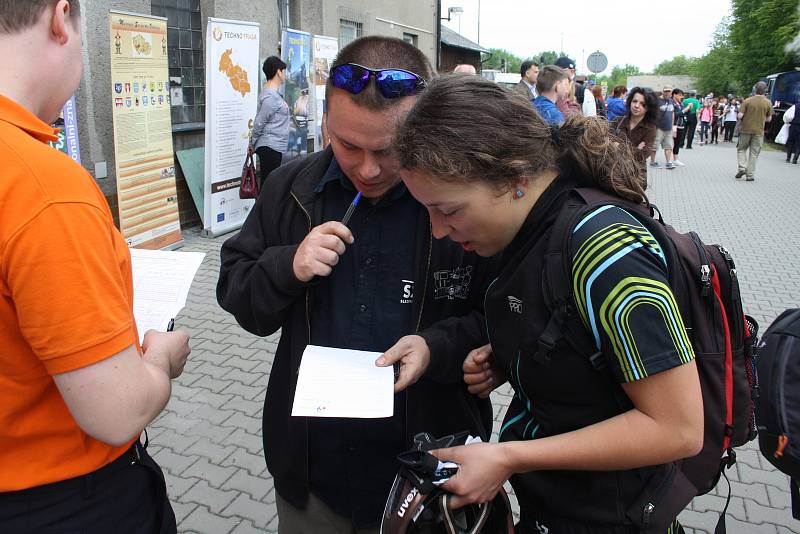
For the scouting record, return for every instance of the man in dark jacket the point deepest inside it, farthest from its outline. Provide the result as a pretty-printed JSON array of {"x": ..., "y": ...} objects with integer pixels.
[
  {"x": 529, "y": 72},
  {"x": 381, "y": 283}
]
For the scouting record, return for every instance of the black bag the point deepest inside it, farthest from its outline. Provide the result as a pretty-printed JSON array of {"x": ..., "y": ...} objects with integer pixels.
[
  {"x": 704, "y": 280},
  {"x": 778, "y": 405}
]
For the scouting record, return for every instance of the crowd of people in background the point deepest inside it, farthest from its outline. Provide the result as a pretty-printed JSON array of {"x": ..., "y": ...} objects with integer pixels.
[{"x": 670, "y": 121}]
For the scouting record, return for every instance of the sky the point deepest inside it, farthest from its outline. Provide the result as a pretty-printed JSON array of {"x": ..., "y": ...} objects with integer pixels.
[{"x": 643, "y": 33}]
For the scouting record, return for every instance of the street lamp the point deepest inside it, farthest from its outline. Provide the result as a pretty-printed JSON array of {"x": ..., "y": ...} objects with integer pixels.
[{"x": 453, "y": 10}]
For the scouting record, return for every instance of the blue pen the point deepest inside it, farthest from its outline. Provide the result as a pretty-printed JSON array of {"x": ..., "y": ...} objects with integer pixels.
[{"x": 351, "y": 209}]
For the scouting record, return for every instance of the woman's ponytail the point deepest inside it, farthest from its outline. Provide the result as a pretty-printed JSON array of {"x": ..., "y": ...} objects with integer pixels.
[{"x": 605, "y": 161}]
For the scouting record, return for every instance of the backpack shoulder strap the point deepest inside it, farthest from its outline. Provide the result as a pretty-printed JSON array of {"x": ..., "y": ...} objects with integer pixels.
[{"x": 564, "y": 322}]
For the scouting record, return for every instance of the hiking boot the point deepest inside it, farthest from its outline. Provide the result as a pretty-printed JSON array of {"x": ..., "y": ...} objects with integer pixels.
[{"x": 740, "y": 174}]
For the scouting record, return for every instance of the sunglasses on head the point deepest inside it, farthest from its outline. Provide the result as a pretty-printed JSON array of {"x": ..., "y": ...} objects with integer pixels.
[{"x": 392, "y": 83}]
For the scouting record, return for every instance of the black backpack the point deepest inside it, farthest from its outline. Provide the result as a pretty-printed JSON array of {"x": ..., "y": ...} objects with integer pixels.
[
  {"x": 778, "y": 405},
  {"x": 580, "y": 91},
  {"x": 705, "y": 283}
]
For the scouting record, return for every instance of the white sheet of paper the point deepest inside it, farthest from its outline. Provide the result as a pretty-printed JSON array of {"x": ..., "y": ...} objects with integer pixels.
[
  {"x": 161, "y": 283},
  {"x": 343, "y": 383}
]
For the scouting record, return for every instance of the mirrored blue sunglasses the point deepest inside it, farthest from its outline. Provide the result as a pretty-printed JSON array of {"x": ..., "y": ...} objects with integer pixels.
[{"x": 392, "y": 83}]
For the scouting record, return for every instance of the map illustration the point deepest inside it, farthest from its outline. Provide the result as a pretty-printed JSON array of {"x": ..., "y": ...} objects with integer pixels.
[
  {"x": 236, "y": 74},
  {"x": 142, "y": 45}
]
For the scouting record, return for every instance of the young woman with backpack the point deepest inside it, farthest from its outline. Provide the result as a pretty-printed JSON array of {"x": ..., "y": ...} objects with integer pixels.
[{"x": 588, "y": 441}]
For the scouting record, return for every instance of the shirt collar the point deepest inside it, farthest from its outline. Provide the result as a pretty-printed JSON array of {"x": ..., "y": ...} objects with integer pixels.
[
  {"x": 22, "y": 118},
  {"x": 334, "y": 173}
]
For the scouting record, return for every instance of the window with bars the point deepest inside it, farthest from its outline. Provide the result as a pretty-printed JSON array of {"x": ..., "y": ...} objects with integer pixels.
[
  {"x": 349, "y": 31},
  {"x": 186, "y": 58}
]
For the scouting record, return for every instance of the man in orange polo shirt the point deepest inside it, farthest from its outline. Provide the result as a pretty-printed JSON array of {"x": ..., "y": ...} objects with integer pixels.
[{"x": 76, "y": 389}]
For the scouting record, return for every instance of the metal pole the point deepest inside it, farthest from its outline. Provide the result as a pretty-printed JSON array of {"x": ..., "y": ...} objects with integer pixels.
[
  {"x": 438, "y": 35},
  {"x": 479, "y": 21}
]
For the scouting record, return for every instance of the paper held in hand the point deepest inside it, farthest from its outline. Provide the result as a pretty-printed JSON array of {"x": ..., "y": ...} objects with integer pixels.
[
  {"x": 343, "y": 383},
  {"x": 161, "y": 283}
]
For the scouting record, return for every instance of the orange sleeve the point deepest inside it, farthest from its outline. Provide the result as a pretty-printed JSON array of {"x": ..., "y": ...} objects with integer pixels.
[{"x": 65, "y": 270}]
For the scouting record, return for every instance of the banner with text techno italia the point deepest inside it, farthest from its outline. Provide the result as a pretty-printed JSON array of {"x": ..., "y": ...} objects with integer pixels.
[
  {"x": 145, "y": 163},
  {"x": 232, "y": 67}
]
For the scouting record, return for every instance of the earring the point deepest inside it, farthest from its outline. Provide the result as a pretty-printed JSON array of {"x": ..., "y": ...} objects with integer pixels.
[{"x": 520, "y": 193}]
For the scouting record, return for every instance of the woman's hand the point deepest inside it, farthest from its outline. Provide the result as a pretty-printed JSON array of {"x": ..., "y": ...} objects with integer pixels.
[
  {"x": 480, "y": 373},
  {"x": 482, "y": 470}
]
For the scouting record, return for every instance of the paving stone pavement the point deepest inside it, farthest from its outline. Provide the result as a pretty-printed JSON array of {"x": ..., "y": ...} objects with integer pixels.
[{"x": 208, "y": 440}]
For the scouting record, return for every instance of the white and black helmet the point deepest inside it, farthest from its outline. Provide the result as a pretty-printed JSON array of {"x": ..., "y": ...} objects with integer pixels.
[{"x": 417, "y": 505}]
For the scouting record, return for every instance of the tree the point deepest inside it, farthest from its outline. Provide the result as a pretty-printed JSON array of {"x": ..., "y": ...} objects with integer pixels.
[
  {"x": 619, "y": 75},
  {"x": 679, "y": 65},
  {"x": 715, "y": 70},
  {"x": 547, "y": 57},
  {"x": 512, "y": 62},
  {"x": 760, "y": 31}
]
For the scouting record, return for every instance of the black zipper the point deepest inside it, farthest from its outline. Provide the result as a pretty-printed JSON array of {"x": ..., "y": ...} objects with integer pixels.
[
  {"x": 649, "y": 509},
  {"x": 425, "y": 278},
  {"x": 783, "y": 423},
  {"x": 705, "y": 266},
  {"x": 706, "y": 287},
  {"x": 308, "y": 322},
  {"x": 736, "y": 298}
]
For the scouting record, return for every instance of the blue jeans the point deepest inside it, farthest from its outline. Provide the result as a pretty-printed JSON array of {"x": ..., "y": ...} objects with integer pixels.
[{"x": 704, "y": 126}]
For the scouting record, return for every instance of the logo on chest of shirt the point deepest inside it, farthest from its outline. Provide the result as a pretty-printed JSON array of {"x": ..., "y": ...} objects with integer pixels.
[
  {"x": 453, "y": 284},
  {"x": 514, "y": 304},
  {"x": 408, "y": 292}
]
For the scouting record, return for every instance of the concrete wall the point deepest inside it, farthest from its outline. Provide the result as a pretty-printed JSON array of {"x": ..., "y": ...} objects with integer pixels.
[
  {"x": 94, "y": 105},
  {"x": 657, "y": 83},
  {"x": 261, "y": 11},
  {"x": 385, "y": 17}
]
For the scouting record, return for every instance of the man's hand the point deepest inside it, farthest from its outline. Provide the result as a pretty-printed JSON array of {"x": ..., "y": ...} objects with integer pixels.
[
  {"x": 320, "y": 250},
  {"x": 480, "y": 373},
  {"x": 413, "y": 354},
  {"x": 167, "y": 350}
]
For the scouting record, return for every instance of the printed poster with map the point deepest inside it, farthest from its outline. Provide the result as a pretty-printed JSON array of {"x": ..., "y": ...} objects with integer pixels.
[
  {"x": 232, "y": 69},
  {"x": 145, "y": 164}
]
